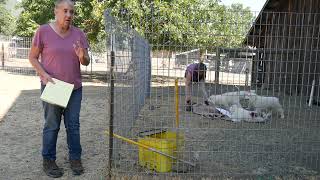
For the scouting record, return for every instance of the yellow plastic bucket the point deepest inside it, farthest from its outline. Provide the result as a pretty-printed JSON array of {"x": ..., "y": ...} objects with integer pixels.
[{"x": 165, "y": 142}]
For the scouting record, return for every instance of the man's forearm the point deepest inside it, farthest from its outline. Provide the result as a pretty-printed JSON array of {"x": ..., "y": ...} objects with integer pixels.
[{"x": 37, "y": 66}]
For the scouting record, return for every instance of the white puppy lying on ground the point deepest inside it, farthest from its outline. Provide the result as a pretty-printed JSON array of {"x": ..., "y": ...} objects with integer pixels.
[
  {"x": 239, "y": 114},
  {"x": 266, "y": 104},
  {"x": 230, "y": 98}
]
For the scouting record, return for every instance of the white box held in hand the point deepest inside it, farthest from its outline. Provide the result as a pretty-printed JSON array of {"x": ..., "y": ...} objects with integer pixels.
[{"x": 58, "y": 93}]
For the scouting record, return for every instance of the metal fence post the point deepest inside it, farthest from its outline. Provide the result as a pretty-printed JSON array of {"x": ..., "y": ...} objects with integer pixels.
[
  {"x": 111, "y": 105},
  {"x": 109, "y": 27},
  {"x": 2, "y": 59},
  {"x": 217, "y": 69},
  {"x": 246, "y": 84}
]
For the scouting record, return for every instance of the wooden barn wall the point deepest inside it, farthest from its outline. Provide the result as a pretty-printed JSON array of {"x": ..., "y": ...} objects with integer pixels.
[{"x": 290, "y": 43}]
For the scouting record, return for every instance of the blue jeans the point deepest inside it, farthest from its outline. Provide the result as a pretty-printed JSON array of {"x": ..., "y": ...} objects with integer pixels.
[{"x": 52, "y": 116}]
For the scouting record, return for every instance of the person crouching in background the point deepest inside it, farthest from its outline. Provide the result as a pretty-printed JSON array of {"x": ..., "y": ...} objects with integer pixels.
[{"x": 195, "y": 74}]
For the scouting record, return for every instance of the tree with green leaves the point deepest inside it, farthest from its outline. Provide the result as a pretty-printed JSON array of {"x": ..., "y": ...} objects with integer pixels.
[
  {"x": 6, "y": 20},
  {"x": 187, "y": 24},
  {"x": 38, "y": 12},
  {"x": 169, "y": 23}
]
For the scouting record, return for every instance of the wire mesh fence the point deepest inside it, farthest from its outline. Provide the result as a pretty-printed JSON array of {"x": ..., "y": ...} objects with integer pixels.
[
  {"x": 14, "y": 54},
  {"x": 211, "y": 142},
  {"x": 130, "y": 65}
]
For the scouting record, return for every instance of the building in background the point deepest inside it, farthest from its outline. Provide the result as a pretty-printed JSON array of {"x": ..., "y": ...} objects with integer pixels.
[{"x": 286, "y": 35}]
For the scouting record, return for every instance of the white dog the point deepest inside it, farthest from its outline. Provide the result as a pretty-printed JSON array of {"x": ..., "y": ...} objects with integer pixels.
[
  {"x": 239, "y": 114},
  {"x": 263, "y": 104},
  {"x": 230, "y": 98}
]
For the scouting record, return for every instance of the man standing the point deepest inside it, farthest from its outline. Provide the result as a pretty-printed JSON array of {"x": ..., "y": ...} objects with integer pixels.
[{"x": 62, "y": 48}]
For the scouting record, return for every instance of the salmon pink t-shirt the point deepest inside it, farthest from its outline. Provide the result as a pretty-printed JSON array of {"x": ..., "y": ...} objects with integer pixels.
[{"x": 58, "y": 57}]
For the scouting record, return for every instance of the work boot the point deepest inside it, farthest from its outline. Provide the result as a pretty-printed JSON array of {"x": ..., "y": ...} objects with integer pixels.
[
  {"x": 76, "y": 167},
  {"x": 51, "y": 169},
  {"x": 188, "y": 106}
]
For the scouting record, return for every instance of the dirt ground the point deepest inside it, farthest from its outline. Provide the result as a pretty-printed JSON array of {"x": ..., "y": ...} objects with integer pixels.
[
  {"x": 21, "y": 130},
  {"x": 280, "y": 148},
  {"x": 277, "y": 149}
]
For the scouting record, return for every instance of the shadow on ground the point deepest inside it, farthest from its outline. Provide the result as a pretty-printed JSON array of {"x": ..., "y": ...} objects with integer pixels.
[{"x": 21, "y": 133}]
